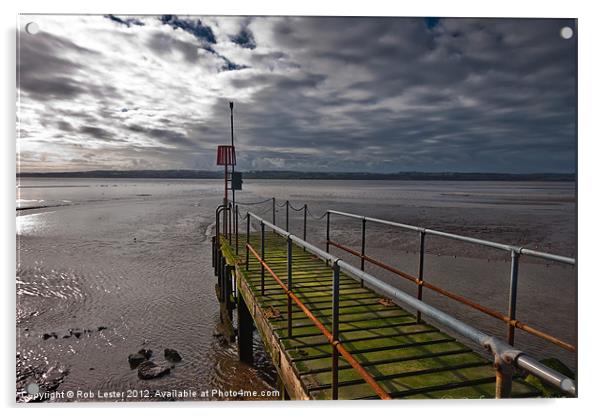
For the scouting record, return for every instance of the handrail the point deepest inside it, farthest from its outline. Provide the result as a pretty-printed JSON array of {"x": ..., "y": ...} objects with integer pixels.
[
  {"x": 506, "y": 247},
  {"x": 505, "y": 356},
  {"x": 332, "y": 339},
  {"x": 459, "y": 298},
  {"x": 515, "y": 253}
]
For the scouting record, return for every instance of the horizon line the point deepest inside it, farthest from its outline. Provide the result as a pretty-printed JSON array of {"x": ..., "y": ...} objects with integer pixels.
[{"x": 219, "y": 171}]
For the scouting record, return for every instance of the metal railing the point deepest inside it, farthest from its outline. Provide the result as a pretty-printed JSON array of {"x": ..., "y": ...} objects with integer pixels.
[
  {"x": 506, "y": 357},
  {"x": 332, "y": 335},
  {"x": 515, "y": 253}
]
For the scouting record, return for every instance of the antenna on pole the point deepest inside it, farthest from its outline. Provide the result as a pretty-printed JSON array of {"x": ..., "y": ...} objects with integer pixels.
[
  {"x": 232, "y": 121},
  {"x": 226, "y": 157}
]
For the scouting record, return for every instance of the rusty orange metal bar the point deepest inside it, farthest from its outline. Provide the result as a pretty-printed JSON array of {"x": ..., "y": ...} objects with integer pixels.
[
  {"x": 335, "y": 343},
  {"x": 493, "y": 313}
]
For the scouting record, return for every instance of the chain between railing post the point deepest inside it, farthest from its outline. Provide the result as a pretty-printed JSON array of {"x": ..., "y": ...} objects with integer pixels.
[
  {"x": 335, "y": 331},
  {"x": 262, "y": 258},
  {"x": 289, "y": 284},
  {"x": 420, "y": 272},
  {"x": 512, "y": 296}
]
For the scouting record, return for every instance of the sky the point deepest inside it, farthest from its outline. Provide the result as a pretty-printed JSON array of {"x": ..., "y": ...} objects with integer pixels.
[{"x": 310, "y": 93}]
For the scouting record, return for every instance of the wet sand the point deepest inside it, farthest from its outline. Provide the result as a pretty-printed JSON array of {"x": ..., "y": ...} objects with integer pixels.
[{"x": 79, "y": 268}]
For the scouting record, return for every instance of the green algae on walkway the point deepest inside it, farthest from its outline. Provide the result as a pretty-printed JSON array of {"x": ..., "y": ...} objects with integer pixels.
[{"x": 409, "y": 359}]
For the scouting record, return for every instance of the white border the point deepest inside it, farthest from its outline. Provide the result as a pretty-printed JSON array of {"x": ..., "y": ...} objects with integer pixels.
[{"x": 589, "y": 194}]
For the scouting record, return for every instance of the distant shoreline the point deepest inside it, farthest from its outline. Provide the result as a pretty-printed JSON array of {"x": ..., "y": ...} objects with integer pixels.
[{"x": 407, "y": 176}]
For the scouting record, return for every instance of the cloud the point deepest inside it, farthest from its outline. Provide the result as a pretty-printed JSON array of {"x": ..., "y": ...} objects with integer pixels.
[
  {"x": 310, "y": 93},
  {"x": 164, "y": 44},
  {"x": 96, "y": 132},
  {"x": 46, "y": 74}
]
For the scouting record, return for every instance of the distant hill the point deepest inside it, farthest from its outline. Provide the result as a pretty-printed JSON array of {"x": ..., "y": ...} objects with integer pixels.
[{"x": 279, "y": 174}]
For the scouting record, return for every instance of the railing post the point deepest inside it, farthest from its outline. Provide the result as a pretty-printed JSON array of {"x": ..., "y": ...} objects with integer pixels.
[
  {"x": 228, "y": 292},
  {"x": 262, "y": 258},
  {"x": 236, "y": 228},
  {"x": 218, "y": 269},
  {"x": 218, "y": 256},
  {"x": 225, "y": 218},
  {"x": 512, "y": 296},
  {"x": 304, "y": 222},
  {"x": 287, "y": 206},
  {"x": 230, "y": 222},
  {"x": 273, "y": 210},
  {"x": 248, "y": 240},
  {"x": 362, "y": 261},
  {"x": 289, "y": 283},
  {"x": 245, "y": 332},
  {"x": 213, "y": 252},
  {"x": 335, "y": 331},
  {"x": 217, "y": 225},
  {"x": 328, "y": 231},
  {"x": 503, "y": 378},
  {"x": 222, "y": 279},
  {"x": 420, "y": 272}
]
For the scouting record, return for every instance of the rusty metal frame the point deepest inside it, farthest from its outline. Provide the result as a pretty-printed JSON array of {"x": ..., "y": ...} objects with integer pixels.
[
  {"x": 506, "y": 357},
  {"x": 332, "y": 337},
  {"x": 515, "y": 253},
  {"x": 514, "y": 323}
]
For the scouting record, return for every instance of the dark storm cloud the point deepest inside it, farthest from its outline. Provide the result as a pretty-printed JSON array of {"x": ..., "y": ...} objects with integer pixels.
[
  {"x": 45, "y": 73},
  {"x": 164, "y": 136},
  {"x": 456, "y": 94},
  {"x": 97, "y": 133},
  {"x": 48, "y": 88},
  {"x": 360, "y": 94},
  {"x": 162, "y": 43},
  {"x": 65, "y": 126}
]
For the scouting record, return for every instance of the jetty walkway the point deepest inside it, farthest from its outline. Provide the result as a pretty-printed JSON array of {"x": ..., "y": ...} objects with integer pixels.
[{"x": 334, "y": 331}]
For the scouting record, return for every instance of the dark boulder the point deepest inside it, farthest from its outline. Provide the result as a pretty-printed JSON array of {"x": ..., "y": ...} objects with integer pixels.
[
  {"x": 172, "y": 355},
  {"x": 149, "y": 370},
  {"x": 138, "y": 358},
  {"x": 146, "y": 352}
]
